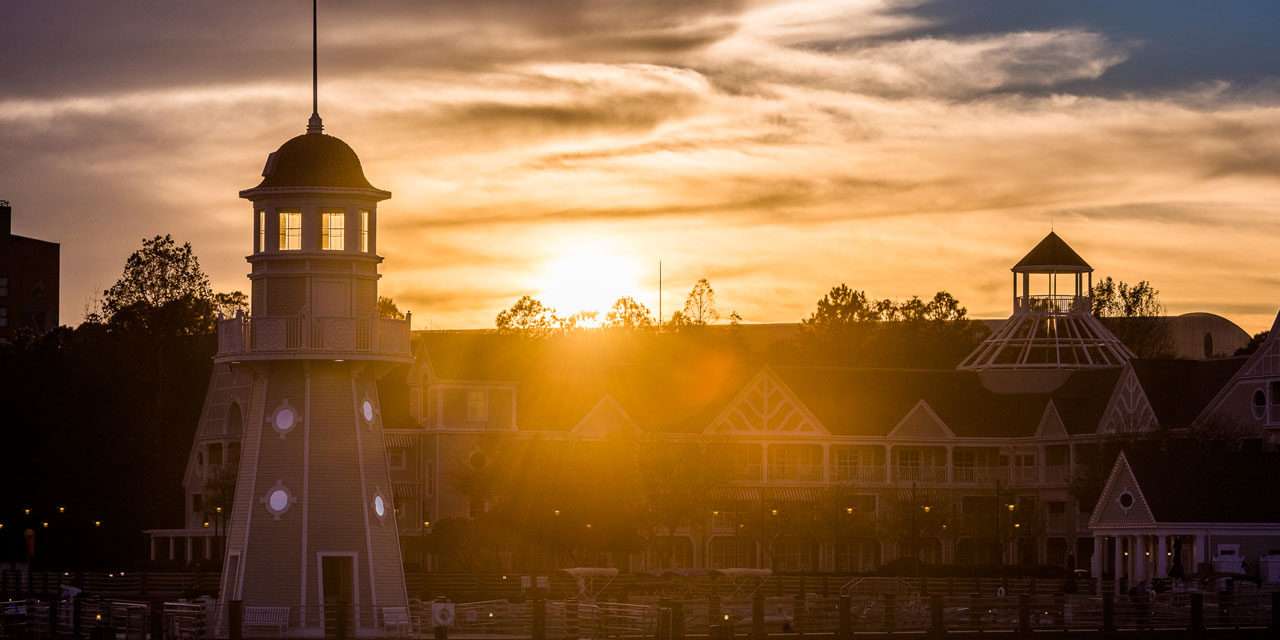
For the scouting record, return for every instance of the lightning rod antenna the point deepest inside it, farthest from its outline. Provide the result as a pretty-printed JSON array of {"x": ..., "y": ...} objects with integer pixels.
[{"x": 315, "y": 125}]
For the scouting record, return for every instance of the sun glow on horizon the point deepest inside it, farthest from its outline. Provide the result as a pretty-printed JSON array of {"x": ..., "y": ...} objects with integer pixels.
[{"x": 588, "y": 275}]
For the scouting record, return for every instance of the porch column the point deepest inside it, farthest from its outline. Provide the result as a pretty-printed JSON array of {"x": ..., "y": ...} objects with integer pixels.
[
  {"x": 1117, "y": 571},
  {"x": 1162, "y": 556},
  {"x": 1095, "y": 561},
  {"x": 153, "y": 547},
  {"x": 1201, "y": 555},
  {"x": 1139, "y": 558},
  {"x": 190, "y": 558}
]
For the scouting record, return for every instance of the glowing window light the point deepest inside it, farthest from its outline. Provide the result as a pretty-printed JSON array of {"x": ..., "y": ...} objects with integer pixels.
[
  {"x": 333, "y": 230},
  {"x": 290, "y": 230},
  {"x": 364, "y": 232}
]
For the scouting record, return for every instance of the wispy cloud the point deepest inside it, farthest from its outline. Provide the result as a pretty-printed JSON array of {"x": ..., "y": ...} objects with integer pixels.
[{"x": 777, "y": 147}]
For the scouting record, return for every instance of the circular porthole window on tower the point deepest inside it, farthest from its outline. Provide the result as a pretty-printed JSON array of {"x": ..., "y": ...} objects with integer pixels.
[
  {"x": 366, "y": 411},
  {"x": 284, "y": 419},
  {"x": 1126, "y": 500},
  {"x": 278, "y": 500}
]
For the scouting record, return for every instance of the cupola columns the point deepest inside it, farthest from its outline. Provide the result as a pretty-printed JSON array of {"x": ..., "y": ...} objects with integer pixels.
[{"x": 1050, "y": 333}]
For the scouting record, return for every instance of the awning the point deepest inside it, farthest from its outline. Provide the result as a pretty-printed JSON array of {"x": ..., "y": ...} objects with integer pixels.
[
  {"x": 769, "y": 494},
  {"x": 400, "y": 440},
  {"x": 404, "y": 490}
]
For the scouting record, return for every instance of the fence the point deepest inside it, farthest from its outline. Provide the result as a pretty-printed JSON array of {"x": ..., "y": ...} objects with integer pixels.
[{"x": 721, "y": 618}]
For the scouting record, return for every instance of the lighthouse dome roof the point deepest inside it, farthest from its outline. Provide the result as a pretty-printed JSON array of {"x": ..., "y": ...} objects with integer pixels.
[{"x": 314, "y": 160}]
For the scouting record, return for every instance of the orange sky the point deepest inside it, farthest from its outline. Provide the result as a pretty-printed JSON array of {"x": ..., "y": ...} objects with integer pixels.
[{"x": 776, "y": 148}]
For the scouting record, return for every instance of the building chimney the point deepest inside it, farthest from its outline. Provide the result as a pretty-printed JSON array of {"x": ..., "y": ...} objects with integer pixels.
[{"x": 6, "y": 219}]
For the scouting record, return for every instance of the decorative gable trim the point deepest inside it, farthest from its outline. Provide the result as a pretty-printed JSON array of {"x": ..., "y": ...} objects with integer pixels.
[
  {"x": 766, "y": 406},
  {"x": 1108, "y": 511},
  {"x": 1128, "y": 410},
  {"x": 1051, "y": 426},
  {"x": 606, "y": 417},
  {"x": 1262, "y": 364},
  {"x": 921, "y": 423}
]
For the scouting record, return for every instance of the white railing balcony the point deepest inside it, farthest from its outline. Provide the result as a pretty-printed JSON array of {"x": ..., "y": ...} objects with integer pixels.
[
  {"x": 858, "y": 473},
  {"x": 926, "y": 473},
  {"x": 1026, "y": 475},
  {"x": 980, "y": 475},
  {"x": 1056, "y": 304},
  {"x": 795, "y": 472},
  {"x": 265, "y": 337}
]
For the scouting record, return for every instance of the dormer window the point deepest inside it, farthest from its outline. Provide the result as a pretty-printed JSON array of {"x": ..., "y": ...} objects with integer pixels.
[
  {"x": 364, "y": 232},
  {"x": 333, "y": 230},
  {"x": 290, "y": 230}
]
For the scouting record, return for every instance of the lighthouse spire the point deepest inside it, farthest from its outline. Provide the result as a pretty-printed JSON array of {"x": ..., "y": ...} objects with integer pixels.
[{"x": 314, "y": 125}]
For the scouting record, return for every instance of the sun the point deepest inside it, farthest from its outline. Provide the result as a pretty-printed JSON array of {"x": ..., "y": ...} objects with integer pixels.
[{"x": 588, "y": 275}]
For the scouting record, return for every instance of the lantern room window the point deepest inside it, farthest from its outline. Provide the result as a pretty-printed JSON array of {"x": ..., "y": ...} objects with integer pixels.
[
  {"x": 364, "y": 232},
  {"x": 262, "y": 231},
  {"x": 290, "y": 230},
  {"x": 333, "y": 230}
]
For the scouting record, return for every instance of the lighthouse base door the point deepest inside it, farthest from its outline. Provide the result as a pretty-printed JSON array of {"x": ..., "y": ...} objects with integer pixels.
[{"x": 337, "y": 575}]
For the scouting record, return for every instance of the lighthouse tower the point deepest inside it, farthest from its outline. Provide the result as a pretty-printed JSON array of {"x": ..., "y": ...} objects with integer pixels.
[{"x": 312, "y": 529}]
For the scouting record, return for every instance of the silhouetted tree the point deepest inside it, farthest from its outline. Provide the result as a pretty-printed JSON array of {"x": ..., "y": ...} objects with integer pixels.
[
  {"x": 677, "y": 480},
  {"x": 1133, "y": 314},
  {"x": 387, "y": 309},
  {"x": 629, "y": 314},
  {"x": 229, "y": 304},
  {"x": 577, "y": 321},
  {"x": 527, "y": 316},
  {"x": 157, "y": 274},
  {"x": 842, "y": 306},
  {"x": 678, "y": 321},
  {"x": 700, "y": 304},
  {"x": 850, "y": 329},
  {"x": 1255, "y": 341},
  {"x": 1122, "y": 300}
]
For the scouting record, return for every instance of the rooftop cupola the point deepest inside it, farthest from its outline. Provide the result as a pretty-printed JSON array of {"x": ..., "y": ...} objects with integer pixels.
[{"x": 1052, "y": 330}]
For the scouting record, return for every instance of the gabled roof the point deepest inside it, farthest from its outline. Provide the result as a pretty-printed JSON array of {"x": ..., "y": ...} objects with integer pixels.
[
  {"x": 1172, "y": 478},
  {"x": 1052, "y": 254},
  {"x": 680, "y": 382},
  {"x": 873, "y": 401},
  {"x": 1179, "y": 390}
]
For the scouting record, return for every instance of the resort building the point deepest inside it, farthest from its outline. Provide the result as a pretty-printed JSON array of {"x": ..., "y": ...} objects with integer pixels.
[
  {"x": 1157, "y": 520},
  {"x": 785, "y": 464},
  {"x": 29, "y": 270}
]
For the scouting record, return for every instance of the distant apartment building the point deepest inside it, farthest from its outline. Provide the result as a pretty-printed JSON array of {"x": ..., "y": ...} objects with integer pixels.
[{"x": 28, "y": 280}]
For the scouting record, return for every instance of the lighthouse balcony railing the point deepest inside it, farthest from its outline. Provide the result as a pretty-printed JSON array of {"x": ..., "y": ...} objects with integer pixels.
[
  {"x": 301, "y": 335},
  {"x": 1057, "y": 304}
]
